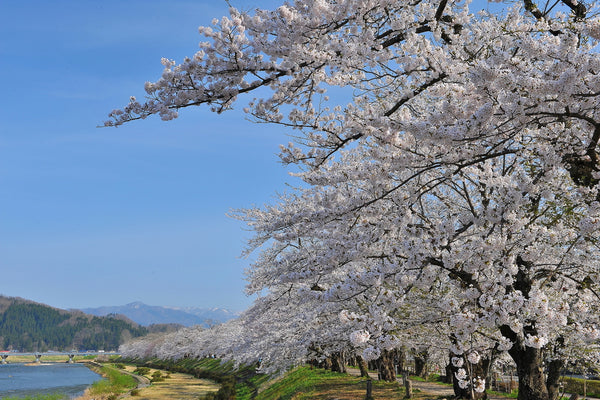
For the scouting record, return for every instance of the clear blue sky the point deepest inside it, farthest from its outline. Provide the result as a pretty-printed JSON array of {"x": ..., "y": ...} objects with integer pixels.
[{"x": 92, "y": 217}]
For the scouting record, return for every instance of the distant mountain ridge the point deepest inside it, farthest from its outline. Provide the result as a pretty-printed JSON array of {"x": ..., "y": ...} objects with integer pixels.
[
  {"x": 146, "y": 315},
  {"x": 29, "y": 326}
]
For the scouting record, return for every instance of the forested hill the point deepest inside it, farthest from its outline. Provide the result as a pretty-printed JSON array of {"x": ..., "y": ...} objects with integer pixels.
[{"x": 29, "y": 326}]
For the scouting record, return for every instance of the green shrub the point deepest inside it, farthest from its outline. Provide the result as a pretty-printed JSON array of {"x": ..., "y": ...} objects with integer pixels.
[
  {"x": 576, "y": 385},
  {"x": 142, "y": 371},
  {"x": 157, "y": 377}
]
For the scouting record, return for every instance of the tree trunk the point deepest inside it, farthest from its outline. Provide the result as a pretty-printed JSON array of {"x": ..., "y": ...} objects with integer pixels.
[
  {"x": 530, "y": 369},
  {"x": 362, "y": 365},
  {"x": 529, "y": 360},
  {"x": 449, "y": 377},
  {"x": 400, "y": 361},
  {"x": 337, "y": 363},
  {"x": 385, "y": 366},
  {"x": 532, "y": 383},
  {"x": 326, "y": 363},
  {"x": 474, "y": 372},
  {"x": 421, "y": 364},
  {"x": 553, "y": 376}
]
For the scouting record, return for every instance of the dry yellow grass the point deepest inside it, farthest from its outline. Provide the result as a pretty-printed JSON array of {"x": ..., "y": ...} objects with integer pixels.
[{"x": 176, "y": 387}]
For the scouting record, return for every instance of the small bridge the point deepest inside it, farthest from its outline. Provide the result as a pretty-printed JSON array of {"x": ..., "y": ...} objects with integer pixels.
[{"x": 38, "y": 355}]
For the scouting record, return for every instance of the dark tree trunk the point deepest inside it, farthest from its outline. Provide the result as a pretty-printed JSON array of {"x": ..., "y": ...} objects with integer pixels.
[
  {"x": 338, "y": 363},
  {"x": 372, "y": 364},
  {"x": 400, "y": 361},
  {"x": 362, "y": 365},
  {"x": 421, "y": 364},
  {"x": 529, "y": 360},
  {"x": 449, "y": 378},
  {"x": 385, "y": 366},
  {"x": 326, "y": 363},
  {"x": 553, "y": 375},
  {"x": 532, "y": 383},
  {"x": 474, "y": 372},
  {"x": 530, "y": 368}
]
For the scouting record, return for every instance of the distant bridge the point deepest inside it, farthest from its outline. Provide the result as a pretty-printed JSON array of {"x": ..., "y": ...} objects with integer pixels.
[{"x": 38, "y": 355}]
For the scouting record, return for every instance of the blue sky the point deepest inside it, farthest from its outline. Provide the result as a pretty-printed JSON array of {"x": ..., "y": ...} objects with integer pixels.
[{"x": 102, "y": 216}]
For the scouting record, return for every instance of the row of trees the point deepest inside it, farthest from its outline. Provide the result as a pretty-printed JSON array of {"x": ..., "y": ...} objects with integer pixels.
[{"x": 449, "y": 195}]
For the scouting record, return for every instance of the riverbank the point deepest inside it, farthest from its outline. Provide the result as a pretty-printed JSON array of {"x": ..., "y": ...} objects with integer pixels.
[{"x": 151, "y": 384}]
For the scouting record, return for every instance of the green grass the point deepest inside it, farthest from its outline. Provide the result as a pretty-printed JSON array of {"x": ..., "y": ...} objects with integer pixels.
[
  {"x": 575, "y": 385},
  {"x": 305, "y": 383},
  {"x": 56, "y": 396},
  {"x": 115, "y": 382},
  {"x": 512, "y": 395}
]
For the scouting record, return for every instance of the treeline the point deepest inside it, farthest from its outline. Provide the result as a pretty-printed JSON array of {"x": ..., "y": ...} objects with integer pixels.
[{"x": 27, "y": 326}]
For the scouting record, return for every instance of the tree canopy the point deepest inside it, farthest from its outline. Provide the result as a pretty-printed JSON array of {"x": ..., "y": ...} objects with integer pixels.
[{"x": 450, "y": 170}]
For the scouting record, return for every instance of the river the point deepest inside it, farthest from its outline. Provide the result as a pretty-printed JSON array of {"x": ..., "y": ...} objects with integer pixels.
[{"x": 22, "y": 380}]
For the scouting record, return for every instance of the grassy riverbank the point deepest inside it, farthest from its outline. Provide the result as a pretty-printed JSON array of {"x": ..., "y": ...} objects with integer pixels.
[
  {"x": 127, "y": 381},
  {"x": 301, "y": 383},
  {"x": 241, "y": 383},
  {"x": 39, "y": 397},
  {"x": 115, "y": 383}
]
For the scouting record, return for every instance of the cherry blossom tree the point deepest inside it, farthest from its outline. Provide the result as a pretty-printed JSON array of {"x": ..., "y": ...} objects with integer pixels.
[{"x": 449, "y": 160}]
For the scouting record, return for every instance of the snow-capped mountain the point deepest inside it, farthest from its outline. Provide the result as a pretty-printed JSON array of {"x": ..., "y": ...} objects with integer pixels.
[{"x": 146, "y": 315}]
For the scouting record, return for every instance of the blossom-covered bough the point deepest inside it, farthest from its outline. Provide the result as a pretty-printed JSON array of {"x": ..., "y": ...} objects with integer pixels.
[{"x": 450, "y": 167}]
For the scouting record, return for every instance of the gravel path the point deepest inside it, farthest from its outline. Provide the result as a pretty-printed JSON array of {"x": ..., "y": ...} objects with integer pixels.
[{"x": 432, "y": 389}]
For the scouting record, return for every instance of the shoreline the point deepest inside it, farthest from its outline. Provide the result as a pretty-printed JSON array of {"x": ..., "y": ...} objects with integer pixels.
[
  {"x": 148, "y": 386},
  {"x": 96, "y": 367}
]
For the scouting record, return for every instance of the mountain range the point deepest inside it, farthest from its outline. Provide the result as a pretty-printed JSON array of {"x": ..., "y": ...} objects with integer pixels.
[
  {"x": 144, "y": 314},
  {"x": 29, "y": 326}
]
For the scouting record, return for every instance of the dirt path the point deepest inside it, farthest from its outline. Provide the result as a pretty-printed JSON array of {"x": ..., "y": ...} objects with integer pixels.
[
  {"x": 427, "y": 388},
  {"x": 433, "y": 389}
]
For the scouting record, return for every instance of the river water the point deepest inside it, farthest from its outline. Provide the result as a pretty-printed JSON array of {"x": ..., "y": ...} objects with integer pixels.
[{"x": 20, "y": 380}]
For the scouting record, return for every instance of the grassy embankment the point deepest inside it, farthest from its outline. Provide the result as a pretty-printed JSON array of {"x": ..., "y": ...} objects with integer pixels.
[
  {"x": 305, "y": 383},
  {"x": 298, "y": 384},
  {"x": 115, "y": 383},
  {"x": 239, "y": 382},
  {"x": 39, "y": 397},
  {"x": 168, "y": 385}
]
